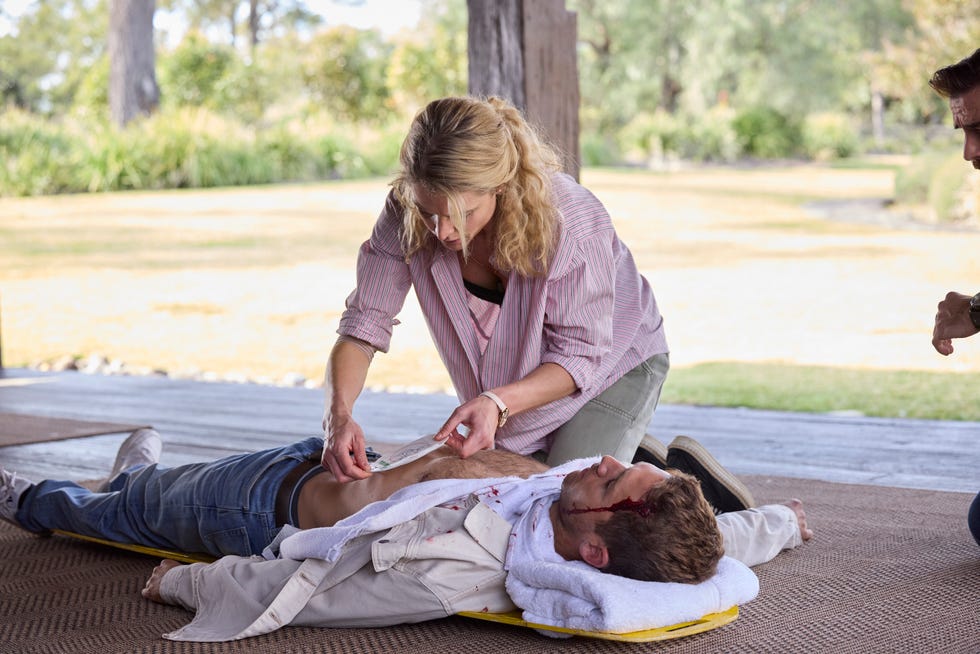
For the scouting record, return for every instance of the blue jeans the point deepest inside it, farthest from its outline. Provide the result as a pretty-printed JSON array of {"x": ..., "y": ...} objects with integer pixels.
[{"x": 219, "y": 507}]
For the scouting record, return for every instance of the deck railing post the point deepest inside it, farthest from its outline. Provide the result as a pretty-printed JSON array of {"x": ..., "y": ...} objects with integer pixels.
[{"x": 525, "y": 51}]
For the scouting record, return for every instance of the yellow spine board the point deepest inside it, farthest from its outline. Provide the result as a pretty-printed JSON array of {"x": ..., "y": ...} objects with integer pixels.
[{"x": 705, "y": 623}]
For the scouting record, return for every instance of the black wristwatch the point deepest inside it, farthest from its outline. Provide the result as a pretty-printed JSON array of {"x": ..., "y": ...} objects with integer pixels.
[{"x": 975, "y": 310}]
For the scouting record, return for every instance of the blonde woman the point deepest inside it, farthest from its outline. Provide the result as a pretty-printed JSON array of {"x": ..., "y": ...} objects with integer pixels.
[{"x": 551, "y": 336}]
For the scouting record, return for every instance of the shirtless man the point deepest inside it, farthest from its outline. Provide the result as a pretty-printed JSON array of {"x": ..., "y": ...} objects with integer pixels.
[
  {"x": 322, "y": 501},
  {"x": 637, "y": 521},
  {"x": 238, "y": 504},
  {"x": 235, "y": 505}
]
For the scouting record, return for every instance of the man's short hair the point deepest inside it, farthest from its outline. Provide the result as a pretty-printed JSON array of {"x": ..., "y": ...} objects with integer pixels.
[
  {"x": 959, "y": 78},
  {"x": 672, "y": 536}
]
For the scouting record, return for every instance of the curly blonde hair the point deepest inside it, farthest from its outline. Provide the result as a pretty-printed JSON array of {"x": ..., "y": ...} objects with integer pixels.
[{"x": 483, "y": 145}]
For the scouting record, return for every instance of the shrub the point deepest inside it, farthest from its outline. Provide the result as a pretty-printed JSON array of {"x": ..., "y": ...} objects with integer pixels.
[
  {"x": 710, "y": 136},
  {"x": 180, "y": 148},
  {"x": 190, "y": 75},
  {"x": 106, "y": 161},
  {"x": 92, "y": 97},
  {"x": 943, "y": 182},
  {"x": 913, "y": 180},
  {"x": 950, "y": 194},
  {"x": 34, "y": 155},
  {"x": 381, "y": 155},
  {"x": 829, "y": 136},
  {"x": 651, "y": 136},
  {"x": 345, "y": 72},
  {"x": 245, "y": 91},
  {"x": 598, "y": 150},
  {"x": 766, "y": 133}
]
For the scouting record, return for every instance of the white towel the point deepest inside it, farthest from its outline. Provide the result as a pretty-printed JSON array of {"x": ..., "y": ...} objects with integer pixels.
[{"x": 574, "y": 595}]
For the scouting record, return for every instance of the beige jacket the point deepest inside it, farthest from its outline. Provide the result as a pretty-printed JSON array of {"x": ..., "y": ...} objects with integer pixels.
[{"x": 440, "y": 563}]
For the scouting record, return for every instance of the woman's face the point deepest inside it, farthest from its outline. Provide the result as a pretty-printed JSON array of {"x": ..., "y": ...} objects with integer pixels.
[{"x": 478, "y": 210}]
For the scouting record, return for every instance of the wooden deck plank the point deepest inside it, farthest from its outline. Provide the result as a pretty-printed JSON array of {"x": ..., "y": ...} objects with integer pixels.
[{"x": 205, "y": 420}]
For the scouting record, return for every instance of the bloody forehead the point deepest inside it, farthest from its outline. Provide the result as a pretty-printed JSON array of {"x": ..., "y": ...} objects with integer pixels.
[{"x": 636, "y": 506}]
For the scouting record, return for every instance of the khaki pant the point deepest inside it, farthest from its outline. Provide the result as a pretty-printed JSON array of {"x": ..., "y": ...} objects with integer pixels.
[{"x": 614, "y": 421}]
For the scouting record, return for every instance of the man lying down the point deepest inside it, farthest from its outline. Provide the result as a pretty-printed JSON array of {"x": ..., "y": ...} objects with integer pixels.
[{"x": 435, "y": 537}]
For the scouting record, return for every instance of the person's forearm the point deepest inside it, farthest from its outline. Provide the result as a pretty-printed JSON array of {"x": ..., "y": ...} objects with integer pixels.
[
  {"x": 228, "y": 595},
  {"x": 757, "y": 535},
  {"x": 546, "y": 383},
  {"x": 177, "y": 587},
  {"x": 344, "y": 380}
]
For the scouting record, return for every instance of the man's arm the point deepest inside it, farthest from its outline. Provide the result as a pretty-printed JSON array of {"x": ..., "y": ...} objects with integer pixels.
[
  {"x": 422, "y": 569},
  {"x": 151, "y": 590},
  {"x": 227, "y": 596},
  {"x": 755, "y": 536}
]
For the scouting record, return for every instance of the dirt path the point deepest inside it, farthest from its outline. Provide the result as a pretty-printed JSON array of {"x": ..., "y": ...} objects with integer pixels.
[{"x": 252, "y": 282}]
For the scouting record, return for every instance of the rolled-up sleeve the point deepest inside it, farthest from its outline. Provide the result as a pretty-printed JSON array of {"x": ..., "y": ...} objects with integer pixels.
[
  {"x": 383, "y": 280},
  {"x": 226, "y": 595},
  {"x": 578, "y": 323}
]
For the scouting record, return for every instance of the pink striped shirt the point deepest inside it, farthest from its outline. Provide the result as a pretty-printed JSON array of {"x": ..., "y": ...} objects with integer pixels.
[{"x": 593, "y": 314}]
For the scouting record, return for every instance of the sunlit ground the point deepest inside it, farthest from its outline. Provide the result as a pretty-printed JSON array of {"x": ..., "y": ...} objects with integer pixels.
[{"x": 252, "y": 282}]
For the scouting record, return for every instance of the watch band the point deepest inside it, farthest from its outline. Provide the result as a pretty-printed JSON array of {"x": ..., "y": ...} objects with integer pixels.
[
  {"x": 504, "y": 411},
  {"x": 975, "y": 310}
]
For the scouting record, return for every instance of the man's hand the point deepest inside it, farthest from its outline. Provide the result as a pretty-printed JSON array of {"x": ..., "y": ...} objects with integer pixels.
[
  {"x": 344, "y": 449},
  {"x": 952, "y": 321},
  {"x": 480, "y": 416},
  {"x": 151, "y": 590}
]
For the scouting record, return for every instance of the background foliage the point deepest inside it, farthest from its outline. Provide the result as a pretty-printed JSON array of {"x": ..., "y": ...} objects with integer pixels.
[{"x": 269, "y": 91}]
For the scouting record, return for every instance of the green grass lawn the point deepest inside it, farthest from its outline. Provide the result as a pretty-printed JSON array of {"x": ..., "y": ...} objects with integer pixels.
[{"x": 815, "y": 389}]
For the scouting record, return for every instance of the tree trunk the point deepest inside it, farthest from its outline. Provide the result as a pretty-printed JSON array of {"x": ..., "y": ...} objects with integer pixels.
[
  {"x": 878, "y": 117},
  {"x": 133, "y": 87},
  {"x": 524, "y": 50},
  {"x": 253, "y": 24}
]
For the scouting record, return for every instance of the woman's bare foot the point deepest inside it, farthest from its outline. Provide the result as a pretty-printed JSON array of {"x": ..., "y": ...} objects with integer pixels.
[
  {"x": 152, "y": 589},
  {"x": 797, "y": 505}
]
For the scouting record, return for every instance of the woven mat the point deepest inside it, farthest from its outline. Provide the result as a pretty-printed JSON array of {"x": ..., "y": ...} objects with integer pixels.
[
  {"x": 20, "y": 429},
  {"x": 890, "y": 570}
]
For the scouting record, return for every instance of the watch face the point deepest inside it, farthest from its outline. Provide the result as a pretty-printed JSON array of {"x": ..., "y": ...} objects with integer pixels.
[{"x": 975, "y": 302}]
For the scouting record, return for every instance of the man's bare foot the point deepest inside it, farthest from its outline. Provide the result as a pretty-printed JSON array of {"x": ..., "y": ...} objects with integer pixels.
[
  {"x": 152, "y": 589},
  {"x": 805, "y": 532}
]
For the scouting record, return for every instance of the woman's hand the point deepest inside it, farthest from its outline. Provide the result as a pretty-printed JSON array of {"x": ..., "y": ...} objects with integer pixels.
[
  {"x": 151, "y": 590},
  {"x": 479, "y": 416},
  {"x": 344, "y": 449}
]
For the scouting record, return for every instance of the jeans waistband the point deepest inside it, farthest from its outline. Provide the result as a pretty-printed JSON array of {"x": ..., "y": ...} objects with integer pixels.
[{"x": 284, "y": 496}]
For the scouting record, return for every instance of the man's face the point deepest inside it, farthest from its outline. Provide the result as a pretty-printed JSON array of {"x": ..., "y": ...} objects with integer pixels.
[
  {"x": 589, "y": 497},
  {"x": 966, "y": 116}
]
